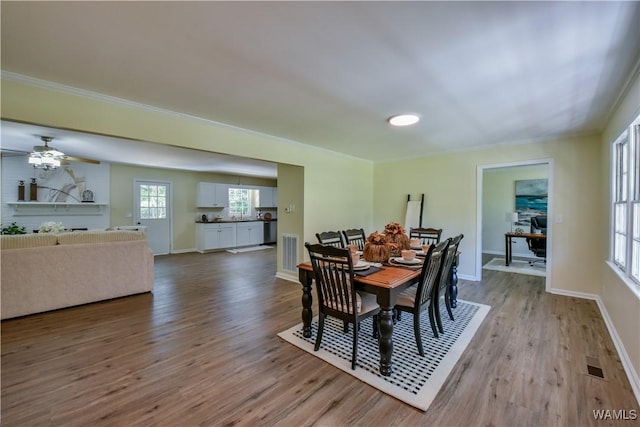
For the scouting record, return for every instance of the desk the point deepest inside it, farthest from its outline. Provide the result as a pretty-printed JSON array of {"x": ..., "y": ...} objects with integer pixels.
[
  {"x": 386, "y": 284},
  {"x": 507, "y": 243}
]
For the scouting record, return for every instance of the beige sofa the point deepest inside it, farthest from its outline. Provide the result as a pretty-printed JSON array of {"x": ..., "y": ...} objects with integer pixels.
[{"x": 41, "y": 272}]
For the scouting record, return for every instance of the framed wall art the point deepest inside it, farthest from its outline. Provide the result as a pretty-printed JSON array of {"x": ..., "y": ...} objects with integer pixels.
[{"x": 531, "y": 199}]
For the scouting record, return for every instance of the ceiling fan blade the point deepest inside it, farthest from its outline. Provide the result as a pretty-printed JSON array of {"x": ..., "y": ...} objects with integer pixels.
[
  {"x": 81, "y": 159},
  {"x": 12, "y": 152}
]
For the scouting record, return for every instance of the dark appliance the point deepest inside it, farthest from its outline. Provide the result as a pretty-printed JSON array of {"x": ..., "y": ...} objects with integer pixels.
[{"x": 270, "y": 232}]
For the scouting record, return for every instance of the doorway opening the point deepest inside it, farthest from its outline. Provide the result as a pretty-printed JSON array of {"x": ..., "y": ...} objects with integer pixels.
[{"x": 493, "y": 211}]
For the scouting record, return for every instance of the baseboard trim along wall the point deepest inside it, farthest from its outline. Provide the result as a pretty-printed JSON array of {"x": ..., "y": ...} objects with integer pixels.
[{"x": 632, "y": 375}]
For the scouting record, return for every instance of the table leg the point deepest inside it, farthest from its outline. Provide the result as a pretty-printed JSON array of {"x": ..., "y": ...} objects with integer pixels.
[
  {"x": 306, "y": 278},
  {"x": 507, "y": 250},
  {"x": 385, "y": 342}
]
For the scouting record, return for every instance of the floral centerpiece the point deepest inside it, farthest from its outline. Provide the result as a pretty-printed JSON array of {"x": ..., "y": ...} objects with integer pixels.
[
  {"x": 397, "y": 238},
  {"x": 51, "y": 227},
  {"x": 376, "y": 249}
]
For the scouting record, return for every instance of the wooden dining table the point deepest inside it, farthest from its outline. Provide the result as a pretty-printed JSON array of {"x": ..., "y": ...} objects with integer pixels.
[{"x": 386, "y": 284}]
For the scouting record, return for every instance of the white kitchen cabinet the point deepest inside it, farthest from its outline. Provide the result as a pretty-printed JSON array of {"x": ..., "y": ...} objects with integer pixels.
[
  {"x": 212, "y": 195},
  {"x": 268, "y": 197},
  {"x": 249, "y": 233},
  {"x": 215, "y": 236}
]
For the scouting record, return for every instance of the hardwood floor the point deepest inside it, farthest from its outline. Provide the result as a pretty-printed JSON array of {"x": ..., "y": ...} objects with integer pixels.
[{"x": 202, "y": 350}]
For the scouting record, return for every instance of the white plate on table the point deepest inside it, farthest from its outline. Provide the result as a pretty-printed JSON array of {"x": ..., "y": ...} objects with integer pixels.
[
  {"x": 401, "y": 260},
  {"x": 420, "y": 253},
  {"x": 362, "y": 265}
]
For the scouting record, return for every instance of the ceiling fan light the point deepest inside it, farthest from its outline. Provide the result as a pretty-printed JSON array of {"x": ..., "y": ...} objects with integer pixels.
[
  {"x": 34, "y": 160},
  {"x": 51, "y": 162},
  {"x": 54, "y": 153},
  {"x": 403, "y": 119}
]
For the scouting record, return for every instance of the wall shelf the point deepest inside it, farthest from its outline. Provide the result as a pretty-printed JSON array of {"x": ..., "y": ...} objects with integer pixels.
[{"x": 56, "y": 208}]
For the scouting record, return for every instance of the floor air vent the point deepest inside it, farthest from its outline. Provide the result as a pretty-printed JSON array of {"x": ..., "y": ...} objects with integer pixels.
[
  {"x": 290, "y": 252},
  {"x": 593, "y": 367}
]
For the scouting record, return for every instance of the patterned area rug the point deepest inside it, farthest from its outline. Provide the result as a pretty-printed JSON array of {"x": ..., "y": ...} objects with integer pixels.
[
  {"x": 415, "y": 380},
  {"x": 520, "y": 267}
]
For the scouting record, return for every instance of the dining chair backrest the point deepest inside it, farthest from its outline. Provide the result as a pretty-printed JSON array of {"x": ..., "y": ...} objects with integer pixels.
[
  {"x": 430, "y": 273},
  {"x": 333, "y": 271},
  {"x": 355, "y": 236},
  {"x": 331, "y": 238},
  {"x": 337, "y": 296},
  {"x": 427, "y": 236},
  {"x": 447, "y": 262},
  {"x": 445, "y": 281}
]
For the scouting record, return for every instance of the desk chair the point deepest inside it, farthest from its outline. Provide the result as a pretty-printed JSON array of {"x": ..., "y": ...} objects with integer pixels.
[{"x": 538, "y": 246}]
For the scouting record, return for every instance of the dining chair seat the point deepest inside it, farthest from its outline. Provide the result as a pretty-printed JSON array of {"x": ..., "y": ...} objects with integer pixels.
[
  {"x": 364, "y": 303},
  {"x": 407, "y": 297}
]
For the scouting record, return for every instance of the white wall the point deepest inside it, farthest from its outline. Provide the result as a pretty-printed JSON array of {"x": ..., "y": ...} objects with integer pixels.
[
  {"x": 76, "y": 177},
  {"x": 449, "y": 182}
]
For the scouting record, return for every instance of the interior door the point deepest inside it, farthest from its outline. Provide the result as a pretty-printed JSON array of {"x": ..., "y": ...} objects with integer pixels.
[{"x": 153, "y": 210}]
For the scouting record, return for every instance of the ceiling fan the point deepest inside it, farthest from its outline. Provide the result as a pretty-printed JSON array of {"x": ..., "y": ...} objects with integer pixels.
[{"x": 46, "y": 157}]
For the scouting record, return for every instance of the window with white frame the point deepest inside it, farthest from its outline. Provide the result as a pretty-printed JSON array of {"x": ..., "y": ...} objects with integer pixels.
[
  {"x": 242, "y": 202},
  {"x": 625, "y": 214},
  {"x": 153, "y": 201}
]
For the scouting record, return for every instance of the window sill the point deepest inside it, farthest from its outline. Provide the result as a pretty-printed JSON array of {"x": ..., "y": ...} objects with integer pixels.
[{"x": 633, "y": 286}]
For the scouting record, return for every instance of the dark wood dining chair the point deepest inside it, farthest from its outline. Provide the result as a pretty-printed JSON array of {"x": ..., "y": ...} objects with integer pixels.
[
  {"x": 415, "y": 299},
  {"x": 354, "y": 236},
  {"x": 331, "y": 238},
  {"x": 427, "y": 236},
  {"x": 337, "y": 295},
  {"x": 442, "y": 290}
]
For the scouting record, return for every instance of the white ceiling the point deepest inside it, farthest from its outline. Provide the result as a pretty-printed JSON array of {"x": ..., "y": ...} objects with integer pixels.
[{"x": 329, "y": 73}]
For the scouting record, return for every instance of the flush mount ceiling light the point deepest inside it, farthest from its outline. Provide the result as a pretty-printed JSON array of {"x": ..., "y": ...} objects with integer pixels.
[{"x": 403, "y": 119}]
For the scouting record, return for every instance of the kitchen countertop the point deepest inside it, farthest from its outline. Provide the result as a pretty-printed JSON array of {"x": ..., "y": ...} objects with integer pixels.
[{"x": 237, "y": 220}]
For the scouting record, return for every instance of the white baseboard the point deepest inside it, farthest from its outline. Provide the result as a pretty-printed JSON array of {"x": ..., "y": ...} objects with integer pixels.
[
  {"x": 502, "y": 254},
  {"x": 289, "y": 277},
  {"x": 632, "y": 375},
  {"x": 184, "y": 251}
]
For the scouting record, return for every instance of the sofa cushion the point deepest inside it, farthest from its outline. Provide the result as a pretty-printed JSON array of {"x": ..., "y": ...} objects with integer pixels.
[{"x": 22, "y": 241}]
